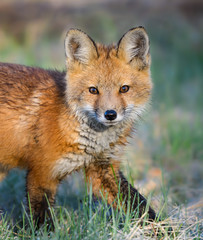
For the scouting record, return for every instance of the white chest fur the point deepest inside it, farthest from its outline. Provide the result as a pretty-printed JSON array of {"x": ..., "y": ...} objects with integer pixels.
[
  {"x": 96, "y": 142},
  {"x": 95, "y": 146}
]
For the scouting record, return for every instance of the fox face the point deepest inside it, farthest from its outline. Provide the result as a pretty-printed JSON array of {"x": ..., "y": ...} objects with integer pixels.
[{"x": 108, "y": 85}]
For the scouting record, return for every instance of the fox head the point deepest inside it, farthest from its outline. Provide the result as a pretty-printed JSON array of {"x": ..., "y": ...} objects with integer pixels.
[{"x": 108, "y": 84}]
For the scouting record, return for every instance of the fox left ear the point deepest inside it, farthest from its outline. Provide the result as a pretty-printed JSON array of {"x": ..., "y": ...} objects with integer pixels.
[
  {"x": 79, "y": 47},
  {"x": 133, "y": 48}
]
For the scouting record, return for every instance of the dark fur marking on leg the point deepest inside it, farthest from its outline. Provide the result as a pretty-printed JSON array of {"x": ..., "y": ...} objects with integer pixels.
[{"x": 137, "y": 201}]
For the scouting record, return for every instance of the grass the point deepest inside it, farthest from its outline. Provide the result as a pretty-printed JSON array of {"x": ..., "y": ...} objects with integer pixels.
[
  {"x": 97, "y": 220},
  {"x": 163, "y": 160},
  {"x": 88, "y": 219}
]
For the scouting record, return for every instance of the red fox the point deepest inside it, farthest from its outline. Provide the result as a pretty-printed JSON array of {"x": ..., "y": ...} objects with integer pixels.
[{"x": 54, "y": 123}]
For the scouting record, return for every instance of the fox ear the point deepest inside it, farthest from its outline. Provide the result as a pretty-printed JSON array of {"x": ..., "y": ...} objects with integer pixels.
[
  {"x": 133, "y": 48},
  {"x": 79, "y": 47}
]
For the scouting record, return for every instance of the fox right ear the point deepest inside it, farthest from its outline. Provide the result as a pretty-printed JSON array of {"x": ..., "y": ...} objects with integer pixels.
[
  {"x": 79, "y": 47},
  {"x": 133, "y": 48}
]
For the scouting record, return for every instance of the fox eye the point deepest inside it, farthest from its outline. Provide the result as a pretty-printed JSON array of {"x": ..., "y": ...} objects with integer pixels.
[
  {"x": 93, "y": 90},
  {"x": 124, "y": 89}
]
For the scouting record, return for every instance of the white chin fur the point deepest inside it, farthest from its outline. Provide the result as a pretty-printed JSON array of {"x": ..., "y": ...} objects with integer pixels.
[{"x": 110, "y": 123}]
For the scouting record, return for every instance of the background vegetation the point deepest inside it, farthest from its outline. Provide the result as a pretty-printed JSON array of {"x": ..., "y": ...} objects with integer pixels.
[{"x": 165, "y": 157}]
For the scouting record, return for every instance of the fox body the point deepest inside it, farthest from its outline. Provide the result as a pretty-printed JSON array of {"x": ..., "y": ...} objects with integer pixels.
[{"x": 54, "y": 123}]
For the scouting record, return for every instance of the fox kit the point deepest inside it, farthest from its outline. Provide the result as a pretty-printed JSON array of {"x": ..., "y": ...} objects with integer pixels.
[{"x": 54, "y": 123}]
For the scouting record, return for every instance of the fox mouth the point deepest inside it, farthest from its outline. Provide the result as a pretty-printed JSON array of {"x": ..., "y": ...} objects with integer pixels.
[{"x": 110, "y": 123}]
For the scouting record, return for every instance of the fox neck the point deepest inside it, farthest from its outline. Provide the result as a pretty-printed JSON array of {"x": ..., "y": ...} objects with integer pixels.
[{"x": 96, "y": 138}]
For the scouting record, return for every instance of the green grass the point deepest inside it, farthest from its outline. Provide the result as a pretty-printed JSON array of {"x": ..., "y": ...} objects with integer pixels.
[
  {"x": 101, "y": 222},
  {"x": 88, "y": 219}
]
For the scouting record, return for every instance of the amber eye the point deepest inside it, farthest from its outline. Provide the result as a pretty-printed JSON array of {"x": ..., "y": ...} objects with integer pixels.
[
  {"x": 93, "y": 90},
  {"x": 124, "y": 89}
]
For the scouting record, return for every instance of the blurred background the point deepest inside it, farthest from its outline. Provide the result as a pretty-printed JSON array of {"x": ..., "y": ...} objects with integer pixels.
[{"x": 165, "y": 157}]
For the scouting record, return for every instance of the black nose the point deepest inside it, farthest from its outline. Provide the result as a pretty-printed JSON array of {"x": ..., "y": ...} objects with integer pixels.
[{"x": 110, "y": 115}]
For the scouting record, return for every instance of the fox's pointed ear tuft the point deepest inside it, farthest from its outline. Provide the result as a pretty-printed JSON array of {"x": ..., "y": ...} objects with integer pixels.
[
  {"x": 133, "y": 48},
  {"x": 79, "y": 47}
]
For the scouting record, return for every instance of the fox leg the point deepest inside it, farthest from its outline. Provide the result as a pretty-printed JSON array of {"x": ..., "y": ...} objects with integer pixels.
[
  {"x": 3, "y": 172},
  {"x": 107, "y": 178},
  {"x": 41, "y": 194},
  {"x": 2, "y": 175}
]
